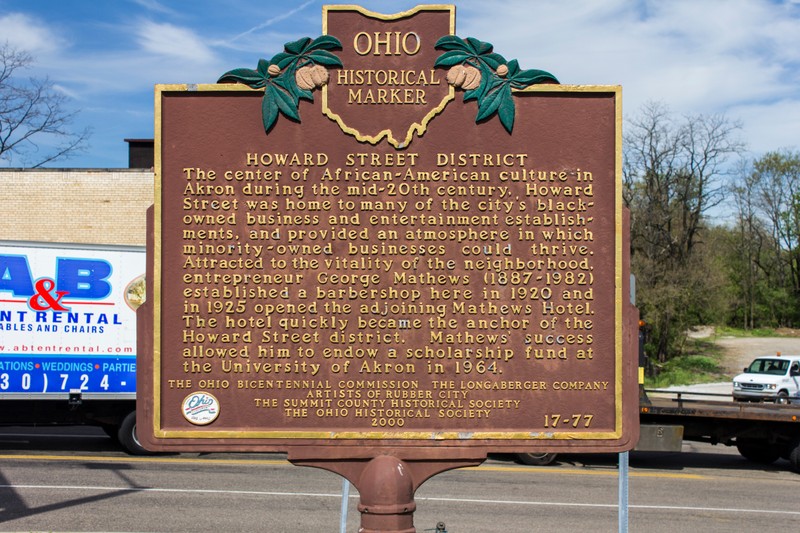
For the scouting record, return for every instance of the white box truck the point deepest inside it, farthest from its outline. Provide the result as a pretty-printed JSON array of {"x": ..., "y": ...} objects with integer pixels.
[{"x": 68, "y": 335}]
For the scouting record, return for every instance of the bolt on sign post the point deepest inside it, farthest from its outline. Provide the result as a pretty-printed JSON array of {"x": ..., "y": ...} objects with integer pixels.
[{"x": 388, "y": 245}]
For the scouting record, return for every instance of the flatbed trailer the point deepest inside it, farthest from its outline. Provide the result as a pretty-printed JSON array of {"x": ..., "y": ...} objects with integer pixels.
[{"x": 762, "y": 432}]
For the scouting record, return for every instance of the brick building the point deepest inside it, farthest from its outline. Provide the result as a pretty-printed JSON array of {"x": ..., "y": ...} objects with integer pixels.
[{"x": 79, "y": 205}]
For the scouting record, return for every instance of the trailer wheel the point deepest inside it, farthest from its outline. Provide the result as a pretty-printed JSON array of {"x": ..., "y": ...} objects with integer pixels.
[
  {"x": 758, "y": 451},
  {"x": 793, "y": 456},
  {"x": 536, "y": 459},
  {"x": 127, "y": 436}
]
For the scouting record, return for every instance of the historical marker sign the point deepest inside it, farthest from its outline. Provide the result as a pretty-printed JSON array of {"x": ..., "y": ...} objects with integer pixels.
[{"x": 388, "y": 235}]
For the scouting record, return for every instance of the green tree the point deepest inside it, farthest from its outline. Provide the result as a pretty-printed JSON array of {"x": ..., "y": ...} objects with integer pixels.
[
  {"x": 746, "y": 245},
  {"x": 767, "y": 197},
  {"x": 674, "y": 172}
]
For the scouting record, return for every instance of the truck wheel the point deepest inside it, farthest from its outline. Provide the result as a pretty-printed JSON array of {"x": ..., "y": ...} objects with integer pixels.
[
  {"x": 794, "y": 459},
  {"x": 536, "y": 459},
  {"x": 127, "y": 436},
  {"x": 757, "y": 451},
  {"x": 782, "y": 398}
]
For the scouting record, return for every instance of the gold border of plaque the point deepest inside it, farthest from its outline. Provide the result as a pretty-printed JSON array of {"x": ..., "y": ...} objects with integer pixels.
[{"x": 422, "y": 436}]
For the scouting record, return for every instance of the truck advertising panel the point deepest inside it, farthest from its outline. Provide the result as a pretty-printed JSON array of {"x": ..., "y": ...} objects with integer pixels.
[{"x": 68, "y": 319}]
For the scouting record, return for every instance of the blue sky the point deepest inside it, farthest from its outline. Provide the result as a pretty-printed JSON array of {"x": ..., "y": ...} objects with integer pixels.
[{"x": 738, "y": 57}]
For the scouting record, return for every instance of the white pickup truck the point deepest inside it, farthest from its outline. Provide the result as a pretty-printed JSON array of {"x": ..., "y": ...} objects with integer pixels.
[{"x": 771, "y": 378}]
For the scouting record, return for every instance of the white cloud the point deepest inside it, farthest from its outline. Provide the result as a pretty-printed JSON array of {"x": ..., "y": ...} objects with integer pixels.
[
  {"x": 172, "y": 41},
  {"x": 155, "y": 5},
  {"x": 275, "y": 19},
  {"x": 698, "y": 57},
  {"x": 770, "y": 126},
  {"x": 26, "y": 33},
  {"x": 65, "y": 91}
]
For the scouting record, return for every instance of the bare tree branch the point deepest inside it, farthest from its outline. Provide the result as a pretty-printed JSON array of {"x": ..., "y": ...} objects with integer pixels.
[
  {"x": 673, "y": 174},
  {"x": 35, "y": 125}
]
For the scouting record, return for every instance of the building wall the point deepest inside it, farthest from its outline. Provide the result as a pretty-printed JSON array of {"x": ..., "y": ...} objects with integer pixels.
[{"x": 96, "y": 206}]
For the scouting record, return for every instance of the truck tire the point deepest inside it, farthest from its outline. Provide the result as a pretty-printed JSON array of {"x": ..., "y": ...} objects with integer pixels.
[
  {"x": 536, "y": 459},
  {"x": 794, "y": 459},
  {"x": 127, "y": 436},
  {"x": 782, "y": 398},
  {"x": 758, "y": 451}
]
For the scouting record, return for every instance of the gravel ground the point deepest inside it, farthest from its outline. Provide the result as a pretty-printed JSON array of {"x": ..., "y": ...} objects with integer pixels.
[{"x": 739, "y": 352}]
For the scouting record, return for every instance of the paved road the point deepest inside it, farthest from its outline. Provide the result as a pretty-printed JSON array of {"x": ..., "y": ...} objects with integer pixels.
[{"x": 83, "y": 483}]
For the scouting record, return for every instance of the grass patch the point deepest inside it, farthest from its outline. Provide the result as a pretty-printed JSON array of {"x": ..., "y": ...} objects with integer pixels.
[
  {"x": 687, "y": 370},
  {"x": 725, "y": 331},
  {"x": 699, "y": 364}
]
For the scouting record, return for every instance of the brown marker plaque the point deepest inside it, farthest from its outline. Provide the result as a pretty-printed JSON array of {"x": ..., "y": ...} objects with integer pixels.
[{"x": 388, "y": 271}]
